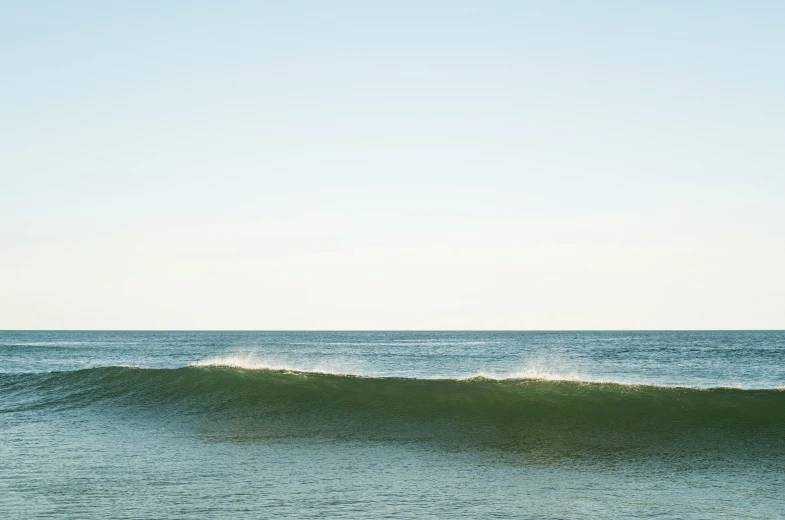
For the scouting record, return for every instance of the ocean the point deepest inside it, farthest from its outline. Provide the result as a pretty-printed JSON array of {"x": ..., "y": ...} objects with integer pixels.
[{"x": 366, "y": 425}]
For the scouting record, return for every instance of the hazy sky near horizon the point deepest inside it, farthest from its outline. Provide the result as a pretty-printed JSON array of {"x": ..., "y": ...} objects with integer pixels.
[{"x": 392, "y": 165}]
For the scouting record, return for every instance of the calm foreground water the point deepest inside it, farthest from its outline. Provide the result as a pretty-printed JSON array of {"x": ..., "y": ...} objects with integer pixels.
[{"x": 545, "y": 425}]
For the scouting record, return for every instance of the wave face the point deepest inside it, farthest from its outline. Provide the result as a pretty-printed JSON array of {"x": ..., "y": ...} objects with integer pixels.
[{"x": 538, "y": 417}]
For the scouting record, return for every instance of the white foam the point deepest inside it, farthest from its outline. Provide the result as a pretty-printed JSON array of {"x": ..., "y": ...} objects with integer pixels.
[
  {"x": 537, "y": 369},
  {"x": 551, "y": 369},
  {"x": 253, "y": 361}
]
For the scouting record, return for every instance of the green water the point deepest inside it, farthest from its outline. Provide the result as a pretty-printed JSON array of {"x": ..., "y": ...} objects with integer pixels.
[{"x": 230, "y": 442}]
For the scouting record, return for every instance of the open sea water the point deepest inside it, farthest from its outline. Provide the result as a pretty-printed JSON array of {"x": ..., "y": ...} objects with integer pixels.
[{"x": 541, "y": 425}]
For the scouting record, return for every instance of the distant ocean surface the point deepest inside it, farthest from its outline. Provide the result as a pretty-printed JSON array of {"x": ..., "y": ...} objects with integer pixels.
[{"x": 365, "y": 425}]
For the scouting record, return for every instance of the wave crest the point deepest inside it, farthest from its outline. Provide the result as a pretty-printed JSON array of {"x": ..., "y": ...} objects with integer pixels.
[
  {"x": 252, "y": 361},
  {"x": 533, "y": 416}
]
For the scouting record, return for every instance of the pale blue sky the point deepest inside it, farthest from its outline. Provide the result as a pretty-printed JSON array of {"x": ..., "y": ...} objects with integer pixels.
[{"x": 333, "y": 165}]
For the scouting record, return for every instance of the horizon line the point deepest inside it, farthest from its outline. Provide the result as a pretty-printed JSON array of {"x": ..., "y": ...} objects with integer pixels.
[{"x": 392, "y": 330}]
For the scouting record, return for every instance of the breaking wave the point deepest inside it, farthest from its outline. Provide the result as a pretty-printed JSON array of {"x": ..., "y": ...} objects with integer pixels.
[{"x": 540, "y": 415}]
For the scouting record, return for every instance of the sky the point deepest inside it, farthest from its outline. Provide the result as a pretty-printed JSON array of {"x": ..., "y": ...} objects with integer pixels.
[{"x": 392, "y": 165}]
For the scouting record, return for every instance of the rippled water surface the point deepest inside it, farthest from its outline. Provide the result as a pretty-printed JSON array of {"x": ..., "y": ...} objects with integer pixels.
[{"x": 392, "y": 424}]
